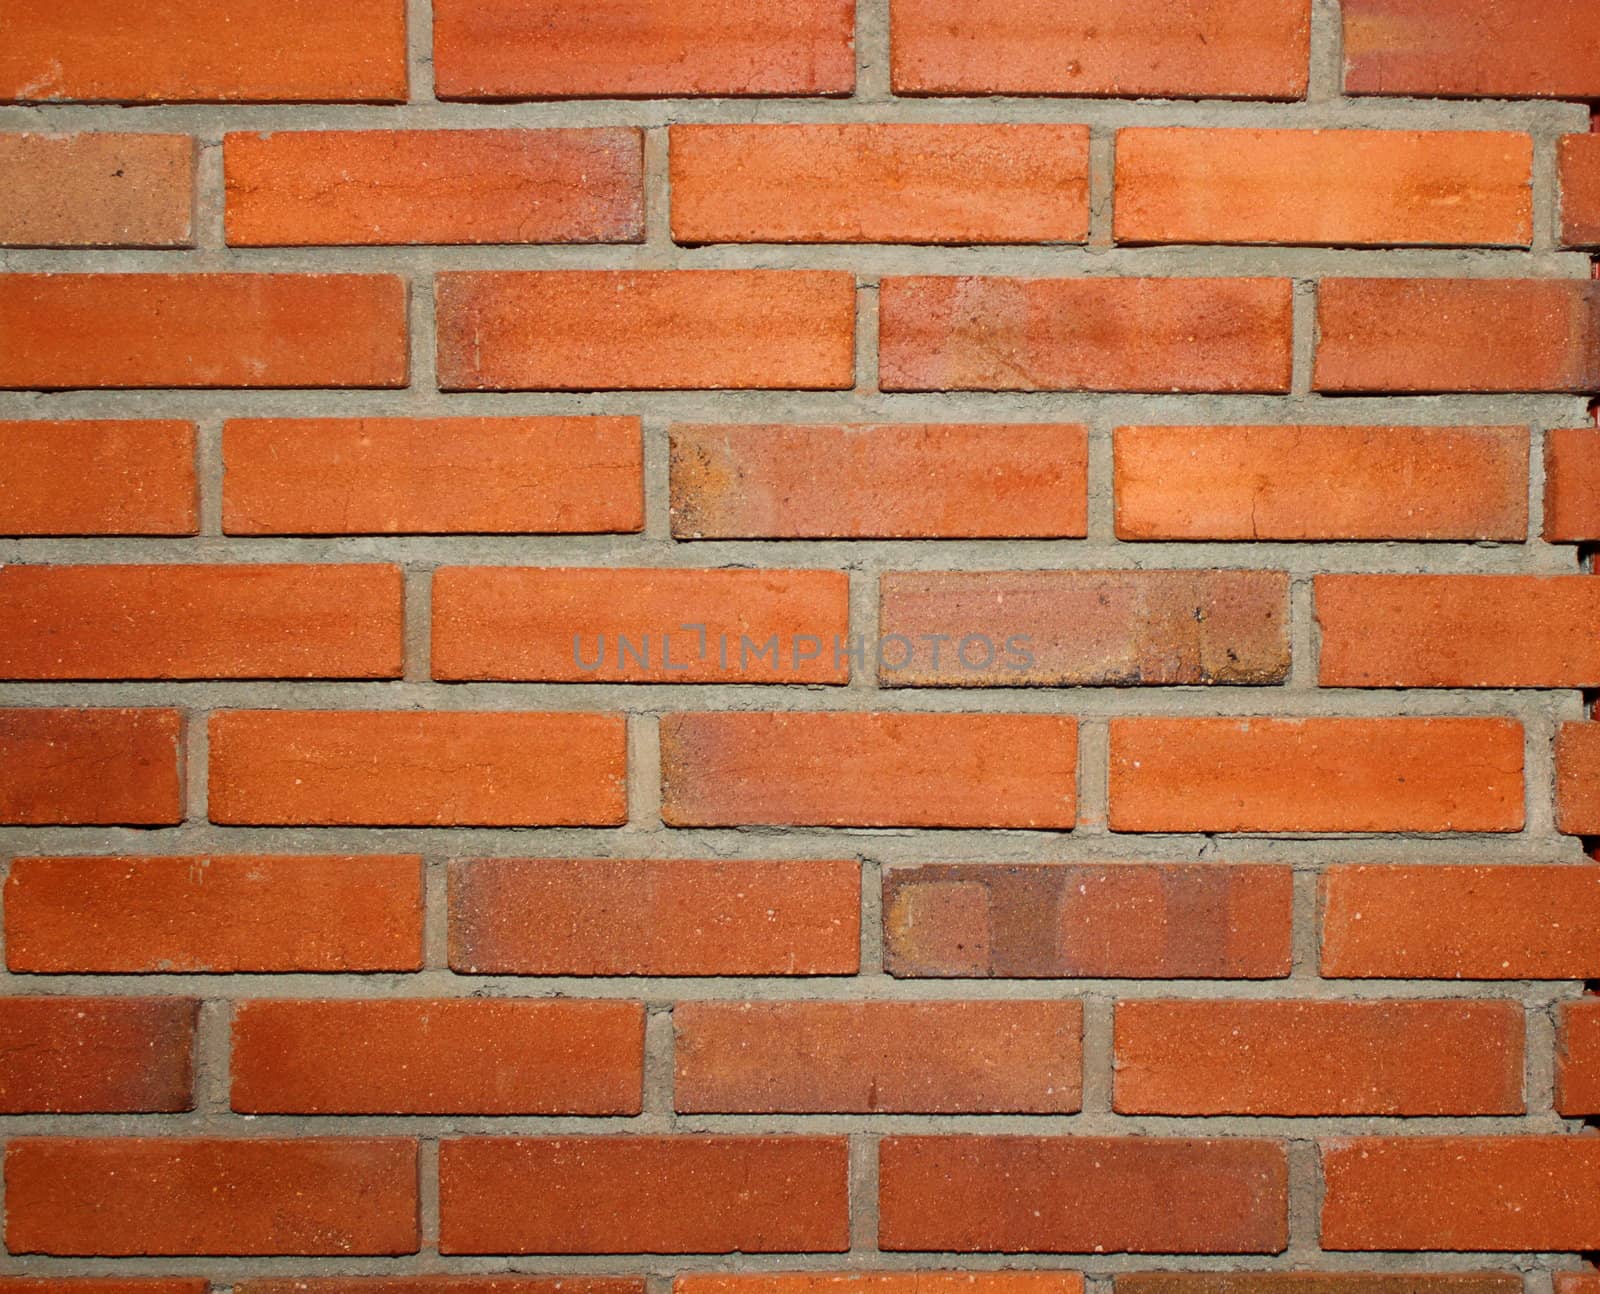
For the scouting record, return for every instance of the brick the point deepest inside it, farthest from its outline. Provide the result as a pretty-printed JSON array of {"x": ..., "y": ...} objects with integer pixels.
[
  {"x": 1471, "y": 49},
  {"x": 1474, "y": 1194},
  {"x": 594, "y": 625},
  {"x": 869, "y": 770},
  {"x": 1328, "y": 188},
  {"x": 1211, "y": 49},
  {"x": 387, "y": 187},
  {"x": 919, "y": 1282},
  {"x": 1578, "y": 1057},
  {"x": 390, "y": 476},
  {"x": 219, "y": 914},
  {"x": 1253, "y": 774},
  {"x": 879, "y": 1057},
  {"x": 502, "y": 1283},
  {"x": 1284, "y": 1282},
  {"x": 913, "y": 481},
  {"x": 98, "y": 478},
  {"x": 97, "y": 190},
  {"x": 204, "y": 51},
  {"x": 1080, "y": 1194},
  {"x": 1571, "y": 484},
  {"x": 576, "y": 330},
  {"x": 1115, "y": 921},
  {"x": 1422, "y": 335},
  {"x": 79, "y": 1055},
  {"x": 106, "y": 767},
  {"x": 400, "y": 768},
  {"x": 1583, "y": 1282},
  {"x": 627, "y": 1194},
  {"x": 880, "y": 183},
  {"x": 440, "y": 1056},
  {"x": 960, "y": 628},
  {"x": 103, "y": 1285},
  {"x": 559, "y": 916},
  {"x": 1578, "y": 166},
  {"x": 1321, "y": 482},
  {"x": 546, "y": 49},
  {"x": 1497, "y": 922},
  {"x": 181, "y": 622},
  {"x": 1087, "y": 334},
  {"x": 1578, "y": 779},
  {"x": 148, "y": 1195},
  {"x": 1318, "y": 1058},
  {"x": 59, "y": 331}
]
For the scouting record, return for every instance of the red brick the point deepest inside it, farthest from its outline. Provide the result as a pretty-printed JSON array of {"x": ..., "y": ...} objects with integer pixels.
[
  {"x": 1321, "y": 482},
  {"x": 384, "y": 187},
  {"x": 1078, "y": 1194},
  {"x": 576, "y": 330},
  {"x": 403, "y": 768},
  {"x": 1422, "y": 335},
  {"x": 98, "y": 478},
  {"x": 1571, "y": 484},
  {"x": 1472, "y": 48},
  {"x": 1205, "y": 49},
  {"x": 499, "y": 1283},
  {"x": 1087, "y": 334},
  {"x": 386, "y": 476},
  {"x": 78, "y": 1055},
  {"x": 1299, "y": 1282},
  {"x": 59, "y": 331},
  {"x": 1061, "y": 628},
  {"x": 1578, "y": 1058},
  {"x": 659, "y": 1195},
  {"x": 97, "y": 190},
  {"x": 1584, "y": 1282},
  {"x": 546, "y": 49},
  {"x": 840, "y": 769},
  {"x": 204, "y": 51},
  {"x": 595, "y": 625},
  {"x": 1254, "y": 774},
  {"x": 880, "y": 183},
  {"x": 550, "y": 916},
  {"x": 222, "y": 914},
  {"x": 1578, "y": 779},
  {"x": 1329, "y": 188},
  {"x": 1578, "y": 165},
  {"x": 918, "y": 1282},
  {"x": 103, "y": 1285},
  {"x": 441, "y": 1056},
  {"x": 1319, "y": 1058},
  {"x": 130, "y": 1196},
  {"x": 177, "y": 622},
  {"x": 1473, "y": 1194},
  {"x": 879, "y": 1057},
  {"x": 1113, "y": 921},
  {"x": 110, "y": 767},
  {"x": 914, "y": 481}
]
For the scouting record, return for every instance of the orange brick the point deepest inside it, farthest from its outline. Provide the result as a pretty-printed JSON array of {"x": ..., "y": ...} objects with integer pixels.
[
  {"x": 82, "y": 1055},
  {"x": 593, "y": 625},
  {"x": 111, "y": 767},
  {"x": 498, "y": 1283},
  {"x": 97, "y": 190},
  {"x": 1578, "y": 779},
  {"x": 59, "y": 331},
  {"x": 175, "y": 622},
  {"x": 1088, "y": 334},
  {"x": 840, "y": 769},
  {"x": 204, "y": 51},
  {"x": 1059, "y": 628},
  {"x": 880, "y": 183},
  {"x": 384, "y": 476},
  {"x": 1331, "y": 188},
  {"x": 1204, "y": 49},
  {"x": 377, "y": 187},
  {"x": 221, "y": 914},
  {"x": 918, "y": 1282},
  {"x": 400, "y": 768},
  {"x": 439, "y": 1056},
  {"x": 575, "y": 330},
  {"x": 1578, "y": 164},
  {"x": 1421, "y": 335},
  {"x": 98, "y": 478},
  {"x": 1578, "y": 1057},
  {"x": 1300, "y": 1282},
  {"x": 1572, "y": 484},
  {"x": 1321, "y": 482},
  {"x": 1318, "y": 1058},
  {"x": 918, "y": 481},
  {"x": 1252, "y": 774},
  {"x": 550, "y": 916},
  {"x": 879, "y": 1057},
  {"x": 546, "y": 49},
  {"x": 103, "y": 1285}
]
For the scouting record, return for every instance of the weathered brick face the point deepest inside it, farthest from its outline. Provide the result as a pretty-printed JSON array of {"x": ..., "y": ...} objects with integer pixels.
[{"x": 799, "y": 647}]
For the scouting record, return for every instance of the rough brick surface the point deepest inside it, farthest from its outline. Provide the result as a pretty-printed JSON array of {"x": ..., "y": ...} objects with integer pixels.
[
  {"x": 1578, "y": 1058},
  {"x": 1579, "y": 162},
  {"x": 98, "y": 478},
  {"x": 1571, "y": 485},
  {"x": 86, "y": 1055},
  {"x": 91, "y": 766},
  {"x": 97, "y": 190},
  {"x": 1577, "y": 752}
]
